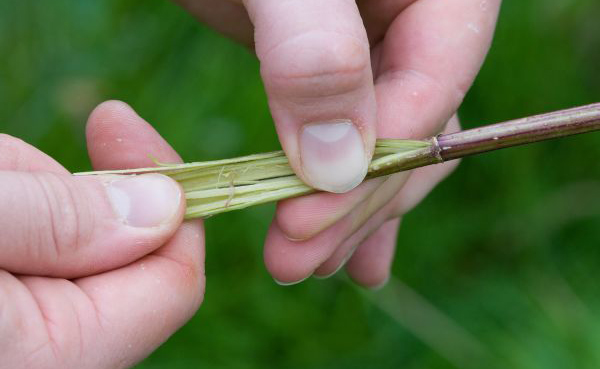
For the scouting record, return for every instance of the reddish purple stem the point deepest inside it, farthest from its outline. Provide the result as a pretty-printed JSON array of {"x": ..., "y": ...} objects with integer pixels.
[{"x": 520, "y": 131}]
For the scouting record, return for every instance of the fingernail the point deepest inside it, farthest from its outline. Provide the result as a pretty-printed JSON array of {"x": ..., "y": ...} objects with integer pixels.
[
  {"x": 333, "y": 155},
  {"x": 379, "y": 286},
  {"x": 340, "y": 266},
  {"x": 337, "y": 269},
  {"x": 144, "y": 201},
  {"x": 290, "y": 283}
]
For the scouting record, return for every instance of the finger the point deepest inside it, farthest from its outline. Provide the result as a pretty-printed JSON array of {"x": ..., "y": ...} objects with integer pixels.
[
  {"x": 72, "y": 226},
  {"x": 377, "y": 263},
  {"x": 60, "y": 225},
  {"x": 347, "y": 248},
  {"x": 228, "y": 17},
  {"x": 398, "y": 199},
  {"x": 291, "y": 261},
  {"x": 316, "y": 69},
  {"x": 111, "y": 320},
  {"x": 303, "y": 217},
  {"x": 419, "y": 184},
  {"x": 160, "y": 292},
  {"x": 345, "y": 220},
  {"x": 17, "y": 155},
  {"x": 426, "y": 66},
  {"x": 423, "y": 180},
  {"x": 370, "y": 264},
  {"x": 118, "y": 138},
  {"x": 143, "y": 304},
  {"x": 24, "y": 334}
]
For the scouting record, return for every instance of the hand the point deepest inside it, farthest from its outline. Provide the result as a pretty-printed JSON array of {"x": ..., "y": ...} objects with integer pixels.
[
  {"x": 95, "y": 272},
  {"x": 338, "y": 74}
]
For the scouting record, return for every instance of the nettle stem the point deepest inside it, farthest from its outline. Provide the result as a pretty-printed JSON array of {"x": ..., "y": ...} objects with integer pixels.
[
  {"x": 520, "y": 131},
  {"x": 215, "y": 187},
  {"x": 500, "y": 135}
]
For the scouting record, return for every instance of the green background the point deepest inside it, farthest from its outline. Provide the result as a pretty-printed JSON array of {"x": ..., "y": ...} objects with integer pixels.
[{"x": 498, "y": 267}]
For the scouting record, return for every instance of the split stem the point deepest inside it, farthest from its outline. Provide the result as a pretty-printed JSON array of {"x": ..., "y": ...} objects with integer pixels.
[{"x": 225, "y": 185}]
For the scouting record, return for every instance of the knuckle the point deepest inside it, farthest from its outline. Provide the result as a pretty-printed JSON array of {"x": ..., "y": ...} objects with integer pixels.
[
  {"x": 189, "y": 279},
  {"x": 189, "y": 273},
  {"x": 317, "y": 64},
  {"x": 64, "y": 215}
]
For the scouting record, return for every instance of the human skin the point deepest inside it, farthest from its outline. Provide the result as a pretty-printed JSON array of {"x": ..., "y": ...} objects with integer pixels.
[
  {"x": 88, "y": 281},
  {"x": 338, "y": 74},
  {"x": 94, "y": 272}
]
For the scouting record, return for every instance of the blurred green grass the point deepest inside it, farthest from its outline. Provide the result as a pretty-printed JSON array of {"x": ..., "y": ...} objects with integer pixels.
[{"x": 498, "y": 267}]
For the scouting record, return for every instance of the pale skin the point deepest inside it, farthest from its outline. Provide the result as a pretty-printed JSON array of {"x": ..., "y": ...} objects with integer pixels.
[
  {"x": 396, "y": 69},
  {"x": 78, "y": 287},
  {"x": 88, "y": 281}
]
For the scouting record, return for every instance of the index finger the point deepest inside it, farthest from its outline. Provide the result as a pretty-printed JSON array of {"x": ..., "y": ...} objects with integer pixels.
[
  {"x": 142, "y": 304},
  {"x": 427, "y": 62}
]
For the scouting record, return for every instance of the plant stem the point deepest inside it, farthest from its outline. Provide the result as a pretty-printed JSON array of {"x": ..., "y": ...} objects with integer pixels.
[
  {"x": 224, "y": 185},
  {"x": 497, "y": 136},
  {"x": 520, "y": 131}
]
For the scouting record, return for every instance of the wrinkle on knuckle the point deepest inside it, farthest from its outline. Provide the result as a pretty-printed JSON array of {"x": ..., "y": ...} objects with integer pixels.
[
  {"x": 41, "y": 354},
  {"x": 188, "y": 274},
  {"x": 65, "y": 214},
  {"x": 191, "y": 281},
  {"x": 316, "y": 64}
]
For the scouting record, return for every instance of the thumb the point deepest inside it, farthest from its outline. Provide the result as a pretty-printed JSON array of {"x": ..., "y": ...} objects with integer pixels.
[
  {"x": 315, "y": 64},
  {"x": 65, "y": 226}
]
